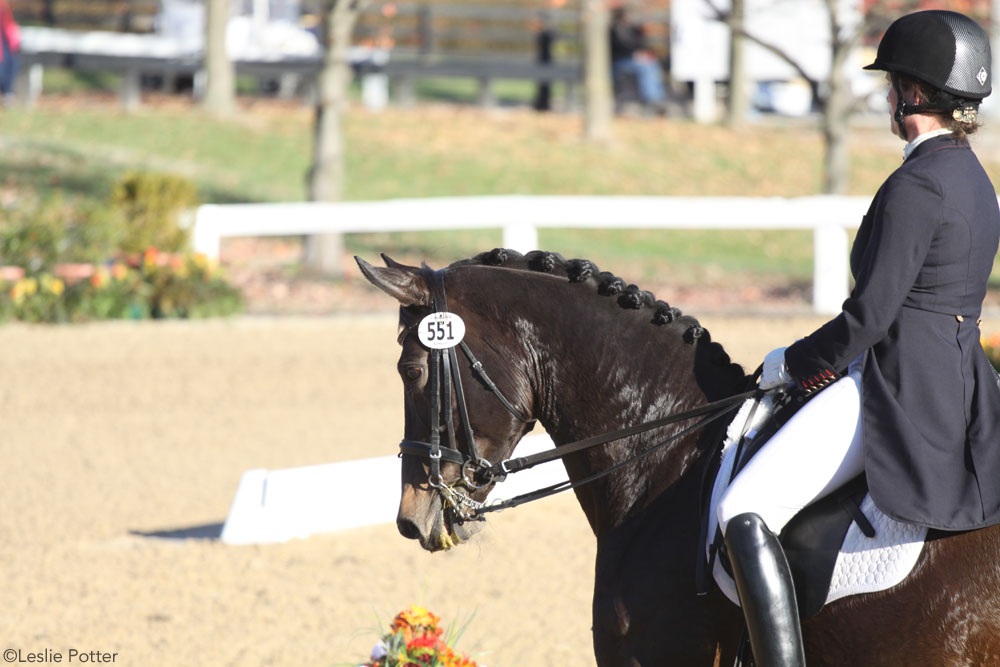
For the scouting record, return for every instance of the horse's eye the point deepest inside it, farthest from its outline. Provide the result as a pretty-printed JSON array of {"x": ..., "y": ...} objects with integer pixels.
[{"x": 413, "y": 373}]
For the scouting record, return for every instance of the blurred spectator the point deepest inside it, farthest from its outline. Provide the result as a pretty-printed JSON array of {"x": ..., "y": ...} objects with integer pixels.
[
  {"x": 10, "y": 46},
  {"x": 631, "y": 57}
]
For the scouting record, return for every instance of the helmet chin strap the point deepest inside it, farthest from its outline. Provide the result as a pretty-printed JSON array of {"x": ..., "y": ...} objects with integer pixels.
[{"x": 904, "y": 109}]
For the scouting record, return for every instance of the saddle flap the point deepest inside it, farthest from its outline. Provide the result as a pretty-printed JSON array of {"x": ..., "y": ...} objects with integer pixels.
[{"x": 812, "y": 542}]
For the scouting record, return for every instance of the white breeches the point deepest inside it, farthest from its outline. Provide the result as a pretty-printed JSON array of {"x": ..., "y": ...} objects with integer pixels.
[{"x": 818, "y": 450}]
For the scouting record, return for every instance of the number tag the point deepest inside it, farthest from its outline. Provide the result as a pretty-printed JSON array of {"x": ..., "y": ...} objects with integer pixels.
[{"x": 439, "y": 331}]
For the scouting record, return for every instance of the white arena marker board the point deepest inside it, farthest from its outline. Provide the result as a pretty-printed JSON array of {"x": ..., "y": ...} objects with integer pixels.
[{"x": 279, "y": 505}]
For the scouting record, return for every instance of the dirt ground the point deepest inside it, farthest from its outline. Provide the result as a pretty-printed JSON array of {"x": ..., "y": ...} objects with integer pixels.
[{"x": 114, "y": 435}]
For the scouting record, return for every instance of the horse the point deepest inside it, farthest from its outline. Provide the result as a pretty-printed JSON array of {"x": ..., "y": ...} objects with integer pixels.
[{"x": 584, "y": 353}]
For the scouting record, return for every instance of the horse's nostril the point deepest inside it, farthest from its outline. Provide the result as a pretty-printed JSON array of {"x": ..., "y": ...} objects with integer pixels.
[{"x": 408, "y": 529}]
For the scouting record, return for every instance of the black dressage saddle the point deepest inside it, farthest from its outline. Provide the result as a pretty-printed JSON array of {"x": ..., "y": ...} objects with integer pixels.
[{"x": 812, "y": 539}]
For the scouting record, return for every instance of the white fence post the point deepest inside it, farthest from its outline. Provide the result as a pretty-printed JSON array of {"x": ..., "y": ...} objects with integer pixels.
[
  {"x": 830, "y": 264},
  {"x": 205, "y": 237},
  {"x": 520, "y": 236},
  {"x": 29, "y": 84}
]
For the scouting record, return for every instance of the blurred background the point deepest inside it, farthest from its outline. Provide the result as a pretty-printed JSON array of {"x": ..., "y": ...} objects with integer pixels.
[
  {"x": 112, "y": 103},
  {"x": 184, "y": 183}
]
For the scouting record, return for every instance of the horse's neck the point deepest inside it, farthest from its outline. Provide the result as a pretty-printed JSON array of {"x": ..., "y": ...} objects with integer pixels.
[{"x": 634, "y": 375}]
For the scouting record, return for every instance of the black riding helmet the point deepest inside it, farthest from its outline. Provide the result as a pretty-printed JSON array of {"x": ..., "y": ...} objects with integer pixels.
[{"x": 946, "y": 50}]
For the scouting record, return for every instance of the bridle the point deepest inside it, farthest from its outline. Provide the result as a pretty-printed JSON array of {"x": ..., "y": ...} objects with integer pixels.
[
  {"x": 445, "y": 381},
  {"x": 477, "y": 472}
]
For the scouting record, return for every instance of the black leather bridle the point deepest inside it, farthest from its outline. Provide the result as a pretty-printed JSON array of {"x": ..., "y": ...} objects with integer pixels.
[
  {"x": 445, "y": 380},
  {"x": 477, "y": 472}
]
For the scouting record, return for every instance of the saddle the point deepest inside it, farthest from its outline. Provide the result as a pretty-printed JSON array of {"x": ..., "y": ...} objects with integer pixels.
[{"x": 838, "y": 546}]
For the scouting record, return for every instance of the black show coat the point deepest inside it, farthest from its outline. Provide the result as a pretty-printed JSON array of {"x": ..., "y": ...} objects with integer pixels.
[{"x": 930, "y": 405}]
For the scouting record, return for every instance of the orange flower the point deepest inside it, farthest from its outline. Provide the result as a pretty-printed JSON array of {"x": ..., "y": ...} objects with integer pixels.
[
  {"x": 100, "y": 278},
  {"x": 150, "y": 256},
  {"x": 422, "y": 641},
  {"x": 119, "y": 271}
]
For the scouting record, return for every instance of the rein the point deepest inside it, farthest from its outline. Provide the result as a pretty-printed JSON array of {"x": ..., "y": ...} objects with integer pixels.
[
  {"x": 714, "y": 411},
  {"x": 476, "y": 471}
]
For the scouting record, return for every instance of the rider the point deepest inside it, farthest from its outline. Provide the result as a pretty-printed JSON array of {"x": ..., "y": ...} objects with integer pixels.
[{"x": 908, "y": 396}]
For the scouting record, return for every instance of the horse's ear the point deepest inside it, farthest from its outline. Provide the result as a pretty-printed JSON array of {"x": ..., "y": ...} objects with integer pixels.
[
  {"x": 402, "y": 283},
  {"x": 391, "y": 263}
]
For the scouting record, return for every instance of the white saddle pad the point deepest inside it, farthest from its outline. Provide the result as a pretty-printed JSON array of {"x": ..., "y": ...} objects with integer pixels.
[{"x": 865, "y": 564}]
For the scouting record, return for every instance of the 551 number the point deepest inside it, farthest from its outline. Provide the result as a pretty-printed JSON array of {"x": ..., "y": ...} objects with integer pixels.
[{"x": 439, "y": 331}]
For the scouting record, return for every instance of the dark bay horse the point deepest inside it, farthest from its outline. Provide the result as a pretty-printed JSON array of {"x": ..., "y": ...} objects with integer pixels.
[{"x": 584, "y": 354}]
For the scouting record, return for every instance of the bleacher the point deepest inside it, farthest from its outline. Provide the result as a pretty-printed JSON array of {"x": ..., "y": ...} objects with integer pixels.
[
  {"x": 115, "y": 15},
  {"x": 410, "y": 40},
  {"x": 538, "y": 41}
]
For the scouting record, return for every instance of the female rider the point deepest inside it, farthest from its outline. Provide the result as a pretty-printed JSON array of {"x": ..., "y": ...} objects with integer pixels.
[{"x": 908, "y": 396}]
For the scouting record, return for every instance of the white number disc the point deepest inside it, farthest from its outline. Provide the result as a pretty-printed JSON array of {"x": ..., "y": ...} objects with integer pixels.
[{"x": 439, "y": 331}]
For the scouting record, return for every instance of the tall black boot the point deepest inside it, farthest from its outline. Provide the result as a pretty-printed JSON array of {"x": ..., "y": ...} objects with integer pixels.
[{"x": 767, "y": 593}]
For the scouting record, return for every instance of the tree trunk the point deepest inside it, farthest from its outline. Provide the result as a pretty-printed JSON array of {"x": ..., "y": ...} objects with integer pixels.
[
  {"x": 326, "y": 177},
  {"x": 736, "y": 107},
  {"x": 327, "y": 174},
  {"x": 836, "y": 121},
  {"x": 220, "y": 86},
  {"x": 599, "y": 103},
  {"x": 836, "y": 109}
]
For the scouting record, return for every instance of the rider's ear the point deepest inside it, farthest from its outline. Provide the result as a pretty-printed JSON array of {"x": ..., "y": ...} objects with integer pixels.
[{"x": 398, "y": 281}]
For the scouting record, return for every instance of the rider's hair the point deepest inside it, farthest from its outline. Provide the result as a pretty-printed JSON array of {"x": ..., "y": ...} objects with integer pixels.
[{"x": 962, "y": 122}]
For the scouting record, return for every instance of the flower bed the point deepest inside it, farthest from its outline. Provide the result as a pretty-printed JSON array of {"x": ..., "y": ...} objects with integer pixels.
[
  {"x": 153, "y": 285},
  {"x": 63, "y": 261}
]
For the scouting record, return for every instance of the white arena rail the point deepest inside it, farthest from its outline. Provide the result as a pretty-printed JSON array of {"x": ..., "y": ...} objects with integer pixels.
[{"x": 520, "y": 216}]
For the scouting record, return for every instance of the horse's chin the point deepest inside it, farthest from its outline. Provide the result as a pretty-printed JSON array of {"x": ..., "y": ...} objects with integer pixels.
[
  {"x": 448, "y": 534},
  {"x": 423, "y": 517}
]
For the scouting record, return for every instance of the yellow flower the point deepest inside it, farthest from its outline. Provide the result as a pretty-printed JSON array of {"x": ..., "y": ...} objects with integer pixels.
[
  {"x": 119, "y": 271},
  {"x": 30, "y": 286},
  {"x": 55, "y": 285},
  {"x": 416, "y": 617}
]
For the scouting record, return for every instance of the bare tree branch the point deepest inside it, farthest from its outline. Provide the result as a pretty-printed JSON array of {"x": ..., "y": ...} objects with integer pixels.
[{"x": 879, "y": 15}]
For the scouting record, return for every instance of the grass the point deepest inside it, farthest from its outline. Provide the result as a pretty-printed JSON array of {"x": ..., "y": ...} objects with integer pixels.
[{"x": 79, "y": 148}]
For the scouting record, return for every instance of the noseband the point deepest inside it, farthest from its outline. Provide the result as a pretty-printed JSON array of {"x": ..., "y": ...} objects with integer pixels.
[{"x": 446, "y": 381}]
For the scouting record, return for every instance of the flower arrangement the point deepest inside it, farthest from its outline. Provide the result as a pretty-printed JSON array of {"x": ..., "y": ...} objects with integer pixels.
[
  {"x": 991, "y": 346},
  {"x": 415, "y": 639}
]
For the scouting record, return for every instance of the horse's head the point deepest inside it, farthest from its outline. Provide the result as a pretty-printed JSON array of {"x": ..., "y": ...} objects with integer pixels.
[{"x": 467, "y": 399}]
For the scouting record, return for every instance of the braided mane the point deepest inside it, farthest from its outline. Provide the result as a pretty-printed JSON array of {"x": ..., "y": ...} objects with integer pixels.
[{"x": 628, "y": 297}]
